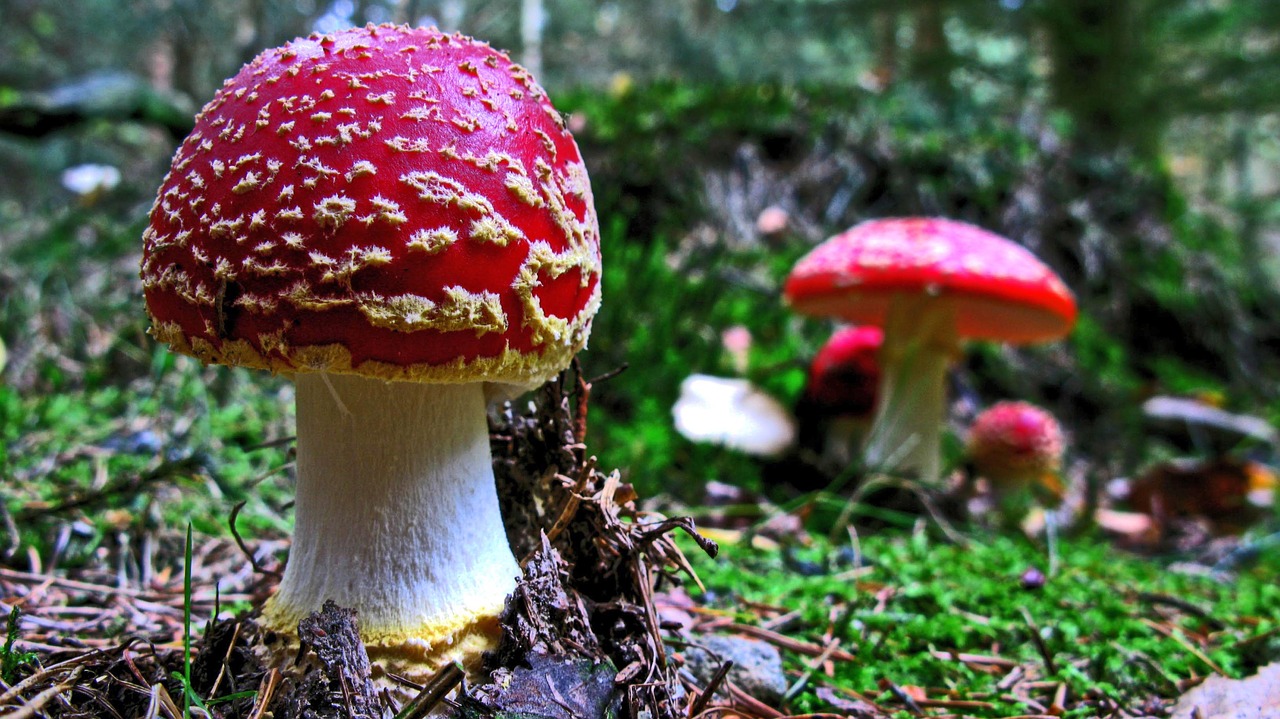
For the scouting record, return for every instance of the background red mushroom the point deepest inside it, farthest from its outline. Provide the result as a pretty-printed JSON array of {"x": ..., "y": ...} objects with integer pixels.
[
  {"x": 1017, "y": 446},
  {"x": 929, "y": 283},
  {"x": 839, "y": 397}
]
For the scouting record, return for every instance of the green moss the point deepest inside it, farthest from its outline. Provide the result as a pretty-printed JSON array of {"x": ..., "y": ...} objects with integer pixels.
[
  {"x": 920, "y": 598},
  {"x": 161, "y": 452}
]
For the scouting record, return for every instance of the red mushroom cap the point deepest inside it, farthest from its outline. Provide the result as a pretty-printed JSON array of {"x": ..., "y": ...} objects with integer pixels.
[
  {"x": 844, "y": 376},
  {"x": 999, "y": 289},
  {"x": 388, "y": 201},
  {"x": 1015, "y": 442}
]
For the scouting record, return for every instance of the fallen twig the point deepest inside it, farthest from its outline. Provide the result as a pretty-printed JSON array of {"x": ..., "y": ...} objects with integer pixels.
[
  {"x": 799, "y": 684},
  {"x": 745, "y": 703},
  {"x": 435, "y": 690},
  {"x": 32, "y": 708},
  {"x": 984, "y": 659},
  {"x": 1182, "y": 605},
  {"x": 704, "y": 697},
  {"x": 165, "y": 471},
  {"x": 1177, "y": 637},
  {"x": 249, "y": 555},
  {"x": 907, "y": 700},
  {"x": 266, "y": 692},
  {"x": 1046, "y": 656},
  {"x": 782, "y": 641}
]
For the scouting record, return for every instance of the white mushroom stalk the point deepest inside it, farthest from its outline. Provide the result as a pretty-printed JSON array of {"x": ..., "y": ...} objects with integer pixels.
[
  {"x": 397, "y": 517},
  {"x": 920, "y": 343}
]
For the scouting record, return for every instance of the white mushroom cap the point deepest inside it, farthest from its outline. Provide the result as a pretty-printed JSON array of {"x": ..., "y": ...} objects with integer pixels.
[
  {"x": 733, "y": 413},
  {"x": 90, "y": 179},
  {"x": 1202, "y": 422}
]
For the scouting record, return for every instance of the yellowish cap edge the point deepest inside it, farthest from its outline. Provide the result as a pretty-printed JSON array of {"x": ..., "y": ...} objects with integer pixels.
[{"x": 512, "y": 368}]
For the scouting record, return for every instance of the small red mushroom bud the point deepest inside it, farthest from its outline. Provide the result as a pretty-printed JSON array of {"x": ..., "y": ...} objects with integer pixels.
[
  {"x": 1016, "y": 445},
  {"x": 772, "y": 220},
  {"x": 845, "y": 373},
  {"x": 737, "y": 341}
]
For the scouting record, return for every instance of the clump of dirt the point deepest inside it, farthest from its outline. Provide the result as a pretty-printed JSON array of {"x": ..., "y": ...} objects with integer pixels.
[{"x": 592, "y": 559}]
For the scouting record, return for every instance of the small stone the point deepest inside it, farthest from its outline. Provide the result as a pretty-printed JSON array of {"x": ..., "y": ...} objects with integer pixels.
[
  {"x": 757, "y": 666},
  {"x": 557, "y": 687},
  {"x": 1256, "y": 697}
]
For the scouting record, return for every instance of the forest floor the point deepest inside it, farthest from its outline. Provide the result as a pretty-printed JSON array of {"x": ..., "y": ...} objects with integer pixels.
[{"x": 893, "y": 624}]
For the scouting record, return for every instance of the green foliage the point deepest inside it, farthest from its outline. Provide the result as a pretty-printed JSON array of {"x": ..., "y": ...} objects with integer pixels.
[
  {"x": 662, "y": 317},
  {"x": 165, "y": 455},
  {"x": 650, "y": 142},
  {"x": 100, "y": 425},
  {"x": 11, "y": 659},
  {"x": 189, "y": 694},
  {"x": 1171, "y": 299},
  {"x": 92, "y": 413}
]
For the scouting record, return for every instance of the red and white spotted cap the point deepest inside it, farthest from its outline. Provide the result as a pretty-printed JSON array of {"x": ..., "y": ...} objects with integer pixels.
[
  {"x": 1000, "y": 290},
  {"x": 387, "y": 201},
  {"x": 1015, "y": 442}
]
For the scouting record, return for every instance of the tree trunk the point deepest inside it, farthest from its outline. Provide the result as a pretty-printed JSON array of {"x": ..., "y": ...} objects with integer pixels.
[
  {"x": 932, "y": 58},
  {"x": 1098, "y": 63},
  {"x": 885, "y": 26},
  {"x": 531, "y": 20}
]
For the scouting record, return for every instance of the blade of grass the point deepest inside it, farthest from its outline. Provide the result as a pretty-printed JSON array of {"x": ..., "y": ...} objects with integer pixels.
[{"x": 186, "y": 625}]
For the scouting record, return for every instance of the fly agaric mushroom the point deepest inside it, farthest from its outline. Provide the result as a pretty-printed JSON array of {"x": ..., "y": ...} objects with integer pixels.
[
  {"x": 398, "y": 219},
  {"x": 929, "y": 283},
  {"x": 1015, "y": 446},
  {"x": 839, "y": 397}
]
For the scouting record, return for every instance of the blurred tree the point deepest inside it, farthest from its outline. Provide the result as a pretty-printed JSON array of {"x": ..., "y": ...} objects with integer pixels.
[
  {"x": 1124, "y": 69},
  {"x": 885, "y": 26},
  {"x": 184, "y": 45},
  {"x": 98, "y": 96},
  {"x": 1101, "y": 61},
  {"x": 931, "y": 55}
]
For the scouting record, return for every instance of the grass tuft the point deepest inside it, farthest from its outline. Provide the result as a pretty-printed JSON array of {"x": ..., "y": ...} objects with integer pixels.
[{"x": 11, "y": 659}]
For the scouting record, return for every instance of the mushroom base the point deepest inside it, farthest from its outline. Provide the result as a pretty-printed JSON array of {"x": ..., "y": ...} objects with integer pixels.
[{"x": 413, "y": 653}]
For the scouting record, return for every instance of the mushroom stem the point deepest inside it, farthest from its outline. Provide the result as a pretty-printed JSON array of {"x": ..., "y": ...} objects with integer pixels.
[
  {"x": 920, "y": 342},
  {"x": 397, "y": 517}
]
